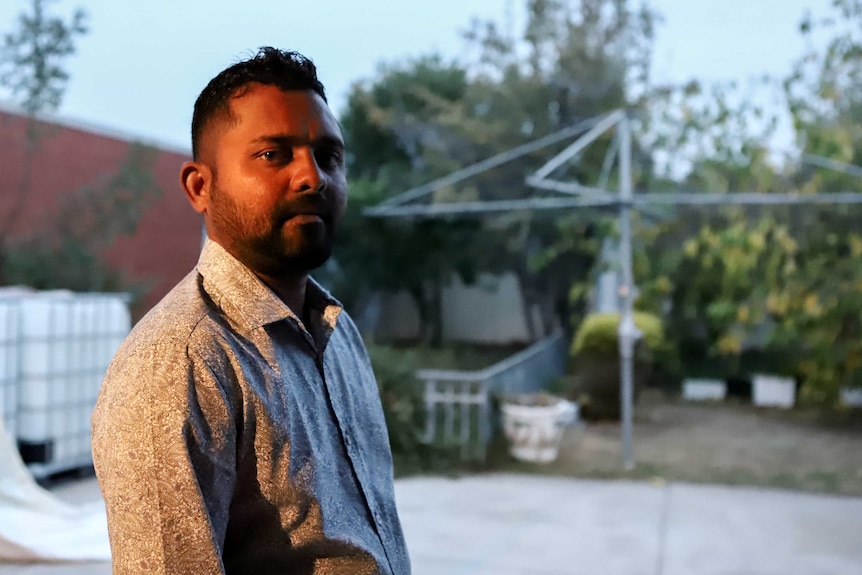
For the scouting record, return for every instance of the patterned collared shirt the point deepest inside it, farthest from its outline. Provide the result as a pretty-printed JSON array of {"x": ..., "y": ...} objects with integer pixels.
[{"x": 228, "y": 438}]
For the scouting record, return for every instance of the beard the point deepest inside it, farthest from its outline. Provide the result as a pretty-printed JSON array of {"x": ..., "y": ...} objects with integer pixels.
[{"x": 278, "y": 244}]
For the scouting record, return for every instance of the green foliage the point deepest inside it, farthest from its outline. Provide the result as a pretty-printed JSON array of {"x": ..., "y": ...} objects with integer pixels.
[
  {"x": 738, "y": 289},
  {"x": 571, "y": 255},
  {"x": 711, "y": 138},
  {"x": 595, "y": 361},
  {"x": 68, "y": 265},
  {"x": 401, "y": 395},
  {"x": 374, "y": 255},
  {"x": 68, "y": 250},
  {"x": 598, "y": 334},
  {"x": 399, "y": 130},
  {"x": 96, "y": 214},
  {"x": 31, "y": 70},
  {"x": 403, "y": 405},
  {"x": 423, "y": 119},
  {"x": 755, "y": 290},
  {"x": 31, "y": 57},
  {"x": 823, "y": 92},
  {"x": 403, "y": 408},
  {"x": 824, "y": 303},
  {"x": 388, "y": 122},
  {"x": 749, "y": 293}
]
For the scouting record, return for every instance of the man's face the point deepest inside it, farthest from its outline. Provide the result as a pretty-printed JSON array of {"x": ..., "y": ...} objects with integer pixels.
[{"x": 278, "y": 181}]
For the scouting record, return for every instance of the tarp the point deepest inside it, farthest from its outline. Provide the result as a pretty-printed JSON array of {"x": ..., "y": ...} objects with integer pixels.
[{"x": 37, "y": 526}]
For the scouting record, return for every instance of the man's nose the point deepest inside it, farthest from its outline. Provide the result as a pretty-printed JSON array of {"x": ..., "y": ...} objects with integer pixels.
[{"x": 308, "y": 175}]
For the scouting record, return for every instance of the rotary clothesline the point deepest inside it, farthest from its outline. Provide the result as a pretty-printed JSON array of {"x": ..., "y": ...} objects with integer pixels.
[{"x": 579, "y": 196}]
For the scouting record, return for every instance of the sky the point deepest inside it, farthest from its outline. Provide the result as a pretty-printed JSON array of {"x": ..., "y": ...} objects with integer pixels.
[{"x": 142, "y": 64}]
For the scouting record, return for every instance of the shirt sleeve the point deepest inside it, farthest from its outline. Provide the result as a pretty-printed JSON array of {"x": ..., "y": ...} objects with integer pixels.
[{"x": 164, "y": 448}]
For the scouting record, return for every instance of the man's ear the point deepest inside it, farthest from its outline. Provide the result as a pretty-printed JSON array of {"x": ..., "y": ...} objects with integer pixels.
[{"x": 196, "y": 179}]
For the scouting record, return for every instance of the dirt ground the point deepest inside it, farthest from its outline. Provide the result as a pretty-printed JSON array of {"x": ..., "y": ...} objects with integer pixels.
[{"x": 727, "y": 443}]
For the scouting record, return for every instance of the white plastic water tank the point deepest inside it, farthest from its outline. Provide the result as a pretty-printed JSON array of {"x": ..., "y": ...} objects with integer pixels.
[
  {"x": 67, "y": 342},
  {"x": 9, "y": 353}
]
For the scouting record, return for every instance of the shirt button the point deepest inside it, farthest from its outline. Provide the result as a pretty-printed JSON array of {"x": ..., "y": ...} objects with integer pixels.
[{"x": 347, "y": 441}]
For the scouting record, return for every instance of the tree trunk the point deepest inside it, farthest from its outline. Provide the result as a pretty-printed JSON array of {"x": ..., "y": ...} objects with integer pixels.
[
  {"x": 428, "y": 298},
  {"x": 527, "y": 299},
  {"x": 434, "y": 293}
]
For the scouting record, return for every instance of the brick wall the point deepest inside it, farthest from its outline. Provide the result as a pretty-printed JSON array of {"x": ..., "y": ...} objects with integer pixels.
[{"x": 166, "y": 244}]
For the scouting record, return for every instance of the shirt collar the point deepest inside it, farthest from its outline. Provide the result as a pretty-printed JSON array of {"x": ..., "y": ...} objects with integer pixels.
[{"x": 247, "y": 300}]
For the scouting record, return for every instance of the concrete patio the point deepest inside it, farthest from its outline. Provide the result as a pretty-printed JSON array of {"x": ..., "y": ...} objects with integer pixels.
[{"x": 533, "y": 525}]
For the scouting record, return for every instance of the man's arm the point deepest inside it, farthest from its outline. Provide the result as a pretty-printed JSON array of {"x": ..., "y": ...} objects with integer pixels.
[{"x": 164, "y": 451}]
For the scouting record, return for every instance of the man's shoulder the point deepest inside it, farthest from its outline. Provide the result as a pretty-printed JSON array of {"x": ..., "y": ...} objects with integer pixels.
[
  {"x": 168, "y": 328},
  {"x": 350, "y": 339},
  {"x": 160, "y": 360},
  {"x": 348, "y": 327}
]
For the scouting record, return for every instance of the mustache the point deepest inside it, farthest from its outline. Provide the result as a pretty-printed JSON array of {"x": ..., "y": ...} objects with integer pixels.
[{"x": 301, "y": 205}]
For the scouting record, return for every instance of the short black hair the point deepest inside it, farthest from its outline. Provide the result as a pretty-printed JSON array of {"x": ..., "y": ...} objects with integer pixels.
[{"x": 284, "y": 69}]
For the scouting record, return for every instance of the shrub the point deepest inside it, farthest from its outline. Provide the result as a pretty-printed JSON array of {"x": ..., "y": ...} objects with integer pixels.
[
  {"x": 403, "y": 407},
  {"x": 598, "y": 334},
  {"x": 595, "y": 353}
]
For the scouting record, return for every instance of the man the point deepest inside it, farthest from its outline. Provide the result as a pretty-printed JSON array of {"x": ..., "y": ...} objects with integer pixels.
[{"x": 239, "y": 429}]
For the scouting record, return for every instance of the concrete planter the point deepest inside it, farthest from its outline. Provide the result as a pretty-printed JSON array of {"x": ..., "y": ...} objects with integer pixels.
[
  {"x": 773, "y": 391},
  {"x": 851, "y": 396},
  {"x": 534, "y": 431},
  {"x": 695, "y": 389}
]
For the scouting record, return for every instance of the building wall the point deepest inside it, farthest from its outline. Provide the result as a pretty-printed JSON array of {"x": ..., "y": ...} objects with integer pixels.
[
  {"x": 397, "y": 317},
  {"x": 488, "y": 312},
  {"x": 167, "y": 242},
  {"x": 69, "y": 156}
]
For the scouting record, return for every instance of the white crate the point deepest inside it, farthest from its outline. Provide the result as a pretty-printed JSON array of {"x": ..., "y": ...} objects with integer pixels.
[
  {"x": 851, "y": 396},
  {"x": 704, "y": 389},
  {"x": 773, "y": 391},
  {"x": 67, "y": 342}
]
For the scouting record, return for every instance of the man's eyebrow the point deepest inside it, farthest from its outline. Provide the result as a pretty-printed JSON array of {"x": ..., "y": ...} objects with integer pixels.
[{"x": 290, "y": 141}]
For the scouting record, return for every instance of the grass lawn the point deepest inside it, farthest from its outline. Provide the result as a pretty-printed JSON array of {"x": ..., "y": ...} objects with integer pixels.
[{"x": 728, "y": 443}]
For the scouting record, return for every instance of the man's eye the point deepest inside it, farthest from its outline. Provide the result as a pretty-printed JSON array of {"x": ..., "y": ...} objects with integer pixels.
[
  {"x": 274, "y": 156},
  {"x": 330, "y": 158}
]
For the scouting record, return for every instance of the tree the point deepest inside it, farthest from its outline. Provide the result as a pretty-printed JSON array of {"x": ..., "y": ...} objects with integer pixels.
[
  {"x": 392, "y": 124},
  {"x": 426, "y": 118},
  {"x": 395, "y": 129},
  {"x": 698, "y": 266},
  {"x": 784, "y": 285},
  {"x": 32, "y": 59},
  {"x": 823, "y": 94},
  {"x": 574, "y": 61},
  {"x": 374, "y": 255},
  {"x": 68, "y": 249}
]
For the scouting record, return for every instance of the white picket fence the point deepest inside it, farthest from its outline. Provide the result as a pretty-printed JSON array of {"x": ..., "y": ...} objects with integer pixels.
[{"x": 458, "y": 403}]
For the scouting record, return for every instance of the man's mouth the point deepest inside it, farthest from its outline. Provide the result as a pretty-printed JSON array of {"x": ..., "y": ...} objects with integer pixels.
[
  {"x": 307, "y": 218},
  {"x": 305, "y": 209}
]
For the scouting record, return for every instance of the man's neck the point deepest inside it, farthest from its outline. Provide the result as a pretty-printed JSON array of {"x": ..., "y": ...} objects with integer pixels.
[{"x": 290, "y": 290}]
